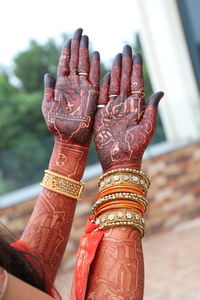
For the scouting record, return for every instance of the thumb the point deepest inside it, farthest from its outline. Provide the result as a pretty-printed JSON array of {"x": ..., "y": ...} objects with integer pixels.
[
  {"x": 149, "y": 117},
  {"x": 49, "y": 86},
  {"x": 155, "y": 99}
]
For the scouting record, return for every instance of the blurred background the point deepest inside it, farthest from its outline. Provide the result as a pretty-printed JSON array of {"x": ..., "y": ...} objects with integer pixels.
[{"x": 167, "y": 33}]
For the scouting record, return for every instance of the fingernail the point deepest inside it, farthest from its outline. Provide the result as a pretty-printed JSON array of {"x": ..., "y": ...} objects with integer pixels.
[
  {"x": 106, "y": 78},
  {"x": 49, "y": 80},
  {"x": 67, "y": 44},
  {"x": 118, "y": 60},
  {"x": 84, "y": 41},
  {"x": 156, "y": 98},
  {"x": 96, "y": 55},
  {"x": 77, "y": 34},
  {"x": 127, "y": 51},
  {"x": 137, "y": 59}
]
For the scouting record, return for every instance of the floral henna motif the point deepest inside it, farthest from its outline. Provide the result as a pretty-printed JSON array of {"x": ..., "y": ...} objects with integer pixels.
[{"x": 120, "y": 251}]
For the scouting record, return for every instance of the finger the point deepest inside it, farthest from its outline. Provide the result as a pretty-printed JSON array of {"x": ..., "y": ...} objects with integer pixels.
[
  {"x": 104, "y": 91},
  {"x": 49, "y": 87},
  {"x": 63, "y": 65},
  {"x": 94, "y": 75},
  {"x": 115, "y": 77},
  {"x": 155, "y": 99},
  {"x": 75, "y": 51},
  {"x": 83, "y": 65},
  {"x": 149, "y": 117},
  {"x": 137, "y": 79},
  {"x": 126, "y": 71}
]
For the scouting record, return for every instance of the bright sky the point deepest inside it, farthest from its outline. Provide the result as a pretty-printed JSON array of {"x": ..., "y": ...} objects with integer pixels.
[{"x": 109, "y": 23}]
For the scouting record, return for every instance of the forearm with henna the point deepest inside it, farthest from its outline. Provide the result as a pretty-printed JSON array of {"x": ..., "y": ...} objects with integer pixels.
[
  {"x": 49, "y": 227},
  {"x": 68, "y": 107},
  {"x": 118, "y": 270},
  {"x": 123, "y": 129}
]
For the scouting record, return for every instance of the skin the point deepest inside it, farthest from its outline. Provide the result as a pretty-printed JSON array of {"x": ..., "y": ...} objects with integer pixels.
[
  {"x": 18, "y": 289},
  {"x": 68, "y": 107},
  {"x": 122, "y": 131}
]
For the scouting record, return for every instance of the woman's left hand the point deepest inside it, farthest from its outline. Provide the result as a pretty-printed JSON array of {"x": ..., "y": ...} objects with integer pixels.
[{"x": 124, "y": 124}]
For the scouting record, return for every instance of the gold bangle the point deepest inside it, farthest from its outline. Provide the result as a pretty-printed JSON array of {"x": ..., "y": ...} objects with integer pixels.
[
  {"x": 62, "y": 185},
  {"x": 118, "y": 224},
  {"x": 130, "y": 196},
  {"x": 121, "y": 218},
  {"x": 124, "y": 176}
]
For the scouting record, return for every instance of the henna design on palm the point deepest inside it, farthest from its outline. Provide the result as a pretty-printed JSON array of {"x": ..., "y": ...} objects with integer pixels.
[
  {"x": 125, "y": 126},
  {"x": 69, "y": 104}
]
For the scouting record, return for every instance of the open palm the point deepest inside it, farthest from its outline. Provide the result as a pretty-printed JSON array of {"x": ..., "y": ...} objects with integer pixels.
[{"x": 125, "y": 125}]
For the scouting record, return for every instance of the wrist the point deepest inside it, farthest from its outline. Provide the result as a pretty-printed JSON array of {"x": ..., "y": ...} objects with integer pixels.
[
  {"x": 135, "y": 166},
  {"x": 68, "y": 159}
]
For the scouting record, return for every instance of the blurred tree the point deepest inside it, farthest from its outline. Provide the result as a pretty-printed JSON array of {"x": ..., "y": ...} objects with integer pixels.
[
  {"x": 33, "y": 63},
  {"x": 21, "y": 118},
  {"x": 25, "y": 143}
]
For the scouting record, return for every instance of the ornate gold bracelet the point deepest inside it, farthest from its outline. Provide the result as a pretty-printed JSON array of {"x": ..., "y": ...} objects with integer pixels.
[
  {"x": 62, "y": 185},
  {"x": 121, "y": 218},
  {"x": 124, "y": 176}
]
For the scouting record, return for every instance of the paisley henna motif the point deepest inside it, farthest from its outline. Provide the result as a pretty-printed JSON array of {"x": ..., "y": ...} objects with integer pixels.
[{"x": 124, "y": 127}]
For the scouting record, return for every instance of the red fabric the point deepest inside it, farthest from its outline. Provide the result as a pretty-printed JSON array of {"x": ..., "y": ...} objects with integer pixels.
[
  {"x": 22, "y": 246},
  {"x": 86, "y": 253}
]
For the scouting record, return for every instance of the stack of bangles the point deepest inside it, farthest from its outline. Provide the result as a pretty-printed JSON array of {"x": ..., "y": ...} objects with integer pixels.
[{"x": 121, "y": 199}]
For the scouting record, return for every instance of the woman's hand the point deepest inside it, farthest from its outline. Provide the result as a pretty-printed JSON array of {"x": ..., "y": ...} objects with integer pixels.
[
  {"x": 70, "y": 103},
  {"x": 69, "y": 106},
  {"x": 125, "y": 125}
]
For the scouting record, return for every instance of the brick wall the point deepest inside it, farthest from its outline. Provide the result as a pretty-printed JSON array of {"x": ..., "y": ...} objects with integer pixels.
[{"x": 174, "y": 195}]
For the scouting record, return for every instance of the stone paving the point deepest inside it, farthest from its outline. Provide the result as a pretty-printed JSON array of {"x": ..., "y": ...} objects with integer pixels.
[{"x": 172, "y": 265}]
